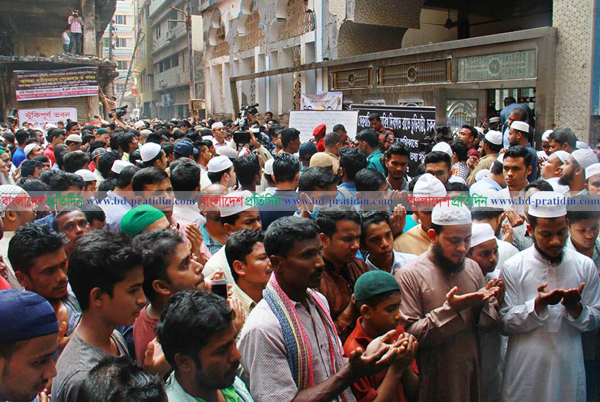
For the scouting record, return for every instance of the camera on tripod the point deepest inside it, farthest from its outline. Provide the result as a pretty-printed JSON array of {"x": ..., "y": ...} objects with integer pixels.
[{"x": 242, "y": 135}]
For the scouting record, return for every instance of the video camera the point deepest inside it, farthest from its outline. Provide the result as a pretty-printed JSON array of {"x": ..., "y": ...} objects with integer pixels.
[
  {"x": 242, "y": 135},
  {"x": 120, "y": 112}
]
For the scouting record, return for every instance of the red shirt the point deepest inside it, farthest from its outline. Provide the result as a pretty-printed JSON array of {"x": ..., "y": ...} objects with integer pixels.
[
  {"x": 49, "y": 153},
  {"x": 143, "y": 333},
  {"x": 4, "y": 285},
  {"x": 365, "y": 389}
]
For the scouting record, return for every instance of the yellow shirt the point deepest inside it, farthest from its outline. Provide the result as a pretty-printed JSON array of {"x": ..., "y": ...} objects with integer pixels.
[{"x": 415, "y": 241}]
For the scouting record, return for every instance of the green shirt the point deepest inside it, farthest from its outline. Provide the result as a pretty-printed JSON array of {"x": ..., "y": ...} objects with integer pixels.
[
  {"x": 236, "y": 393},
  {"x": 374, "y": 161}
]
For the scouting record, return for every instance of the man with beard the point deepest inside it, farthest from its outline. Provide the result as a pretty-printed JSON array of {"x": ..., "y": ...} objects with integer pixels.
[
  {"x": 552, "y": 296},
  {"x": 40, "y": 263},
  {"x": 445, "y": 299},
  {"x": 340, "y": 234},
  {"x": 573, "y": 174},
  {"x": 197, "y": 335}
]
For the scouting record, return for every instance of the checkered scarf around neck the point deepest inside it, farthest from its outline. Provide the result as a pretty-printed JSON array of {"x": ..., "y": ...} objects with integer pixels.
[{"x": 297, "y": 345}]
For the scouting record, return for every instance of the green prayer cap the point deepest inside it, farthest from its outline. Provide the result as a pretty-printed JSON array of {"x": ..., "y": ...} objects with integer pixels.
[
  {"x": 139, "y": 218},
  {"x": 374, "y": 283},
  {"x": 102, "y": 131},
  {"x": 2, "y": 151}
]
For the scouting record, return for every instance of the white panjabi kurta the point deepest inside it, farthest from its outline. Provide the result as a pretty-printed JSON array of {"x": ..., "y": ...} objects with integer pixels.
[{"x": 544, "y": 359}]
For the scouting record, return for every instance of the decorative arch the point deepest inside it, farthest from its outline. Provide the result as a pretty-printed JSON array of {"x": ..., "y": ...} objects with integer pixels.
[
  {"x": 217, "y": 41},
  {"x": 249, "y": 29},
  {"x": 215, "y": 24},
  {"x": 292, "y": 18}
]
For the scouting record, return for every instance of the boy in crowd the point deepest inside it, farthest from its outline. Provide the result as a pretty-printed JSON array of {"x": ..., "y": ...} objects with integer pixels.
[
  {"x": 250, "y": 266},
  {"x": 340, "y": 236},
  {"x": 106, "y": 275},
  {"x": 377, "y": 240},
  {"x": 377, "y": 295}
]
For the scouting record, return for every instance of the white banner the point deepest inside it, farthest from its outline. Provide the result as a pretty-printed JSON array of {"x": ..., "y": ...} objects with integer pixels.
[
  {"x": 306, "y": 121},
  {"x": 41, "y": 116},
  {"x": 323, "y": 101}
]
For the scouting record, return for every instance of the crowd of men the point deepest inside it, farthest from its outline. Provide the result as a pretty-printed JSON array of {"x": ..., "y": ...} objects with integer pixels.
[{"x": 143, "y": 294}]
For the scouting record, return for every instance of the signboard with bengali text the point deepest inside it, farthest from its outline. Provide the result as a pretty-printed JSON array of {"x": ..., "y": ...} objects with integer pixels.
[
  {"x": 53, "y": 84},
  {"x": 41, "y": 116},
  {"x": 411, "y": 124}
]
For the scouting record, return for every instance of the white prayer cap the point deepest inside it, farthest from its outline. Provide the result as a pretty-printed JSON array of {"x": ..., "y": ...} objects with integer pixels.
[
  {"x": 479, "y": 130},
  {"x": 546, "y": 135},
  {"x": 429, "y": 186},
  {"x": 500, "y": 158},
  {"x": 494, "y": 137},
  {"x": 482, "y": 174},
  {"x": 446, "y": 215},
  {"x": 216, "y": 125},
  {"x": 138, "y": 124},
  {"x": 269, "y": 166},
  {"x": 457, "y": 179},
  {"x": 228, "y": 152},
  {"x": 74, "y": 138},
  {"x": 146, "y": 132},
  {"x": 592, "y": 170},
  {"x": 585, "y": 157},
  {"x": 480, "y": 233},
  {"x": 218, "y": 164},
  {"x": 442, "y": 147},
  {"x": 30, "y": 148},
  {"x": 582, "y": 145},
  {"x": 232, "y": 208},
  {"x": 520, "y": 126},
  {"x": 9, "y": 192},
  {"x": 149, "y": 151},
  {"x": 562, "y": 155},
  {"x": 119, "y": 165},
  {"x": 547, "y": 204},
  {"x": 495, "y": 119},
  {"x": 49, "y": 126},
  {"x": 86, "y": 175}
]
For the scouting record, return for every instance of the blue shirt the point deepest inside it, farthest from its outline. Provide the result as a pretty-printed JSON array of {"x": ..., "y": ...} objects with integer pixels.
[
  {"x": 533, "y": 176},
  {"x": 18, "y": 157},
  {"x": 348, "y": 191},
  {"x": 213, "y": 245},
  {"x": 270, "y": 213}
]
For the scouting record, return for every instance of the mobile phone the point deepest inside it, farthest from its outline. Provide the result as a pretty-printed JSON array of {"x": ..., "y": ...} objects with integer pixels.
[{"x": 219, "y": 287}]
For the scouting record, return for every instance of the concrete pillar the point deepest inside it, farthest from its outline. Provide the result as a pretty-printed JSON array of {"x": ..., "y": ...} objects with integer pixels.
[
  {"x": 574, "y": 64},
  {"x": 88, "y": 9}
]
